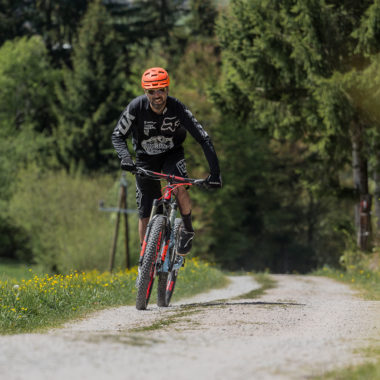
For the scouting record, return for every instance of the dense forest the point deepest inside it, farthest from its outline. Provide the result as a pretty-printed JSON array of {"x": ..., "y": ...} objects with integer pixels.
[{"x": 288, "y": 90}]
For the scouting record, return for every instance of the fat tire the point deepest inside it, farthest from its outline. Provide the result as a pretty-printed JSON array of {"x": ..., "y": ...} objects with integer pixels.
[
  {"x": 161, "y": 289},
  {"x": 147, "y": 274},
  {"x": 172, "y": 277}
]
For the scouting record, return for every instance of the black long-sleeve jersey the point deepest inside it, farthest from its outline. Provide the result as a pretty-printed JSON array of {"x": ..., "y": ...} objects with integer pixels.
[{"x": 154, "y": 134}]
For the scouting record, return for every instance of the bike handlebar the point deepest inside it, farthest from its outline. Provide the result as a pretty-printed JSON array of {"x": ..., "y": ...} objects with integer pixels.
[{"x": 171, "y": 178}]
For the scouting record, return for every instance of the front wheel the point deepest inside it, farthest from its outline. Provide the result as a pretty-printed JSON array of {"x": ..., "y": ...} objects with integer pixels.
[
  {"x": 172, "y": 278},
  {"x": 148, "y": 267}
]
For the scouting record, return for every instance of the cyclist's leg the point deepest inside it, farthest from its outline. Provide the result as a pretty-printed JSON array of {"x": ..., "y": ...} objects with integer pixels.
[
  {"x": 146, "y": 190},
  {"x": 175, "y": 164},
  {"x": 143, "y": 222}
]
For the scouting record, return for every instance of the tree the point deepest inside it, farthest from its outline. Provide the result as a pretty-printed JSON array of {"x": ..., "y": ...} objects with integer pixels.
[
  {"x": 13, "y": 19},
  {"x": 56, "y": 21},
  {"x": 203, "y": 14},
  {"x": 92, "y": 95},
  {"x": 26, "y": 97},
  {"x": 286, "y": 59}
]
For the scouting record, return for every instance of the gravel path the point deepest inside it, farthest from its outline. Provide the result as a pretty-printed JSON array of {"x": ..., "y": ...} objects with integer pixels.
[{"x": 303, "y": 327}]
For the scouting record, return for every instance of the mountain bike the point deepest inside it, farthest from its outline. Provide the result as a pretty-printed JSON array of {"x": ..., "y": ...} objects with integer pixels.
[{"x": 158, "y": 255}]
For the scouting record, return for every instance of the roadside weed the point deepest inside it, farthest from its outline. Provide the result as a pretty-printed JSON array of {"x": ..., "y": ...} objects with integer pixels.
[
  {"x": 364, "y": 280},
  {"x": 45, "y": 301}
]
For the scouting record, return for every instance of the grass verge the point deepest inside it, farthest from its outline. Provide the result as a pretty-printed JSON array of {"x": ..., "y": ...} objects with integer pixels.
[
  {"x": 39, "y": 302},
  {"x": 367, "y": 282},
  {"x": 266, "y": 283}
]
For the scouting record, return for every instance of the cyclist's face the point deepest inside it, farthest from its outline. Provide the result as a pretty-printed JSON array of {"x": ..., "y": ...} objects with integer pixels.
[{"x": 157, "y": 98}]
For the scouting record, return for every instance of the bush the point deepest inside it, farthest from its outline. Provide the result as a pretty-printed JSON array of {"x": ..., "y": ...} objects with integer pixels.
[{"x": 60, "y": 214}]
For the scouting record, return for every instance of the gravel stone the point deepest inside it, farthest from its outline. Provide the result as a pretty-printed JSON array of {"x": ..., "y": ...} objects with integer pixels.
[{"x": 303, "y": 327}]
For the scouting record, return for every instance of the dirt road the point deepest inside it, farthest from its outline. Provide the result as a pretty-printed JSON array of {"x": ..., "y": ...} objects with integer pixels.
[{"x": 301, "y": 328}]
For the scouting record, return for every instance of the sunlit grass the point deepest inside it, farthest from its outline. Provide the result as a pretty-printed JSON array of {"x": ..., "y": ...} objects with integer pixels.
[
  {"x": 43, "y": 301},
  {"x": 11, "y": 269},
  {"x": 364, "y": 280}
]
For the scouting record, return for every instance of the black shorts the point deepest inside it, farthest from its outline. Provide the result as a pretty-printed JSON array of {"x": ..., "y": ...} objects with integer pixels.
[{"x": 172, "y": 162}]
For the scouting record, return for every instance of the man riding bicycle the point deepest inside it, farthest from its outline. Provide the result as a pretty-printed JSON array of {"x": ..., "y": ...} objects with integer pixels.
[{"x": 158, "y": 125}]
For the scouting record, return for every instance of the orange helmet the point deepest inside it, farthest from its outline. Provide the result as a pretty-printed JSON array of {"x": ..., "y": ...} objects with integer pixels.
[{"x": 155, "y": 77}]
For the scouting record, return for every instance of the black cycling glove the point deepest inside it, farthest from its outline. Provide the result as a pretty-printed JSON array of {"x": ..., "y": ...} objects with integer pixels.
[
  {"x": 214, "y": 181},
  {"x": 128, "y": 164}
]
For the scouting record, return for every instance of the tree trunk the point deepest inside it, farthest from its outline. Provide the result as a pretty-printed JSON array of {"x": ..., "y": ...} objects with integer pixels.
[{"x": 360, "y": 177}]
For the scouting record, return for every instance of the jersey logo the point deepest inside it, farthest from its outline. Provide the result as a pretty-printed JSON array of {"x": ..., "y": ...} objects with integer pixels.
[
  {"x": 157, "y": 144},
  {"x": 170, "y": 124},
  {"x": 138, "y": 196},
  {"x": 148, "y": 125},
  {"x": 181, "y": 166},
  {"x": 125, "y": 121}
]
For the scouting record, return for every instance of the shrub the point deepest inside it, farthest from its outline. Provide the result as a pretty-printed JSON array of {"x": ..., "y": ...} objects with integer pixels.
[{"x": 60, "y": 214}]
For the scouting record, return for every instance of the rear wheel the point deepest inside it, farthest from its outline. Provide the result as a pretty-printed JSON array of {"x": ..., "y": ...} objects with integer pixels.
[
  {"x": 161, "y": 289},
  {"x": 172, "y": 277},
  {"x": 147, "y": 274},
  {"x": 166, "y": 281}
]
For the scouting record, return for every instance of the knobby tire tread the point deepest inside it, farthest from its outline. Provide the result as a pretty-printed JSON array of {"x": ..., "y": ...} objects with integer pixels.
[
  {"x": 148, "y": 264},
  {"x": 161, "y": 289},
  {"x": 163, "y": 295},
  {"x": 172, "y": 278}
]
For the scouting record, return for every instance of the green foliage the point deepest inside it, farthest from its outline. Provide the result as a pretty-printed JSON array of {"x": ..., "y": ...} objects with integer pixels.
[
  {"x": 159, "y": 18},
  {"x": 15, "y": 270},
  {"x": 359, "y": 276},
  {"x": 91, "y": 98},
  {"x": 291, "y": 72},
  {"x": 26, "y": 84},
  {"x": 366, "y": 371},
  {"x": 26, "y": 87},
  {"x": 203, "y": 14},
  {"x": 46, "y": 301},
  {"x": 60, "y": 216},
  {"x": 12, "y": 19},
  {"x": 193, "y": 78},
  {"x": 43, "y": 301},
  {"x": 14, "y": 241},
  {"x": 282, "y": 95}
]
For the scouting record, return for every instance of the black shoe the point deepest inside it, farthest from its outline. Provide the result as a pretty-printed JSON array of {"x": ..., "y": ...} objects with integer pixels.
[{"x": 185, "y": 242}]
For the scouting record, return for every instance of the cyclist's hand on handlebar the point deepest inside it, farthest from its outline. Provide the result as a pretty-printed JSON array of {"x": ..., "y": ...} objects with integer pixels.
[
  {"x": 214, "y": 181},
  {"x": 128, "y": 164}
]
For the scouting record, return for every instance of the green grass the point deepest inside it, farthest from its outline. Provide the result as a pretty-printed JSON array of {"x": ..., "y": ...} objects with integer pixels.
[
  {"x": 38, "y": 302},
  {"x": 165, "y": 322},
  {"x": 10, "y": 269},
  {"x": 369, "y": 371},
  {"x": 266, "y": 283},
  {"x": 367, "y": 282}
]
